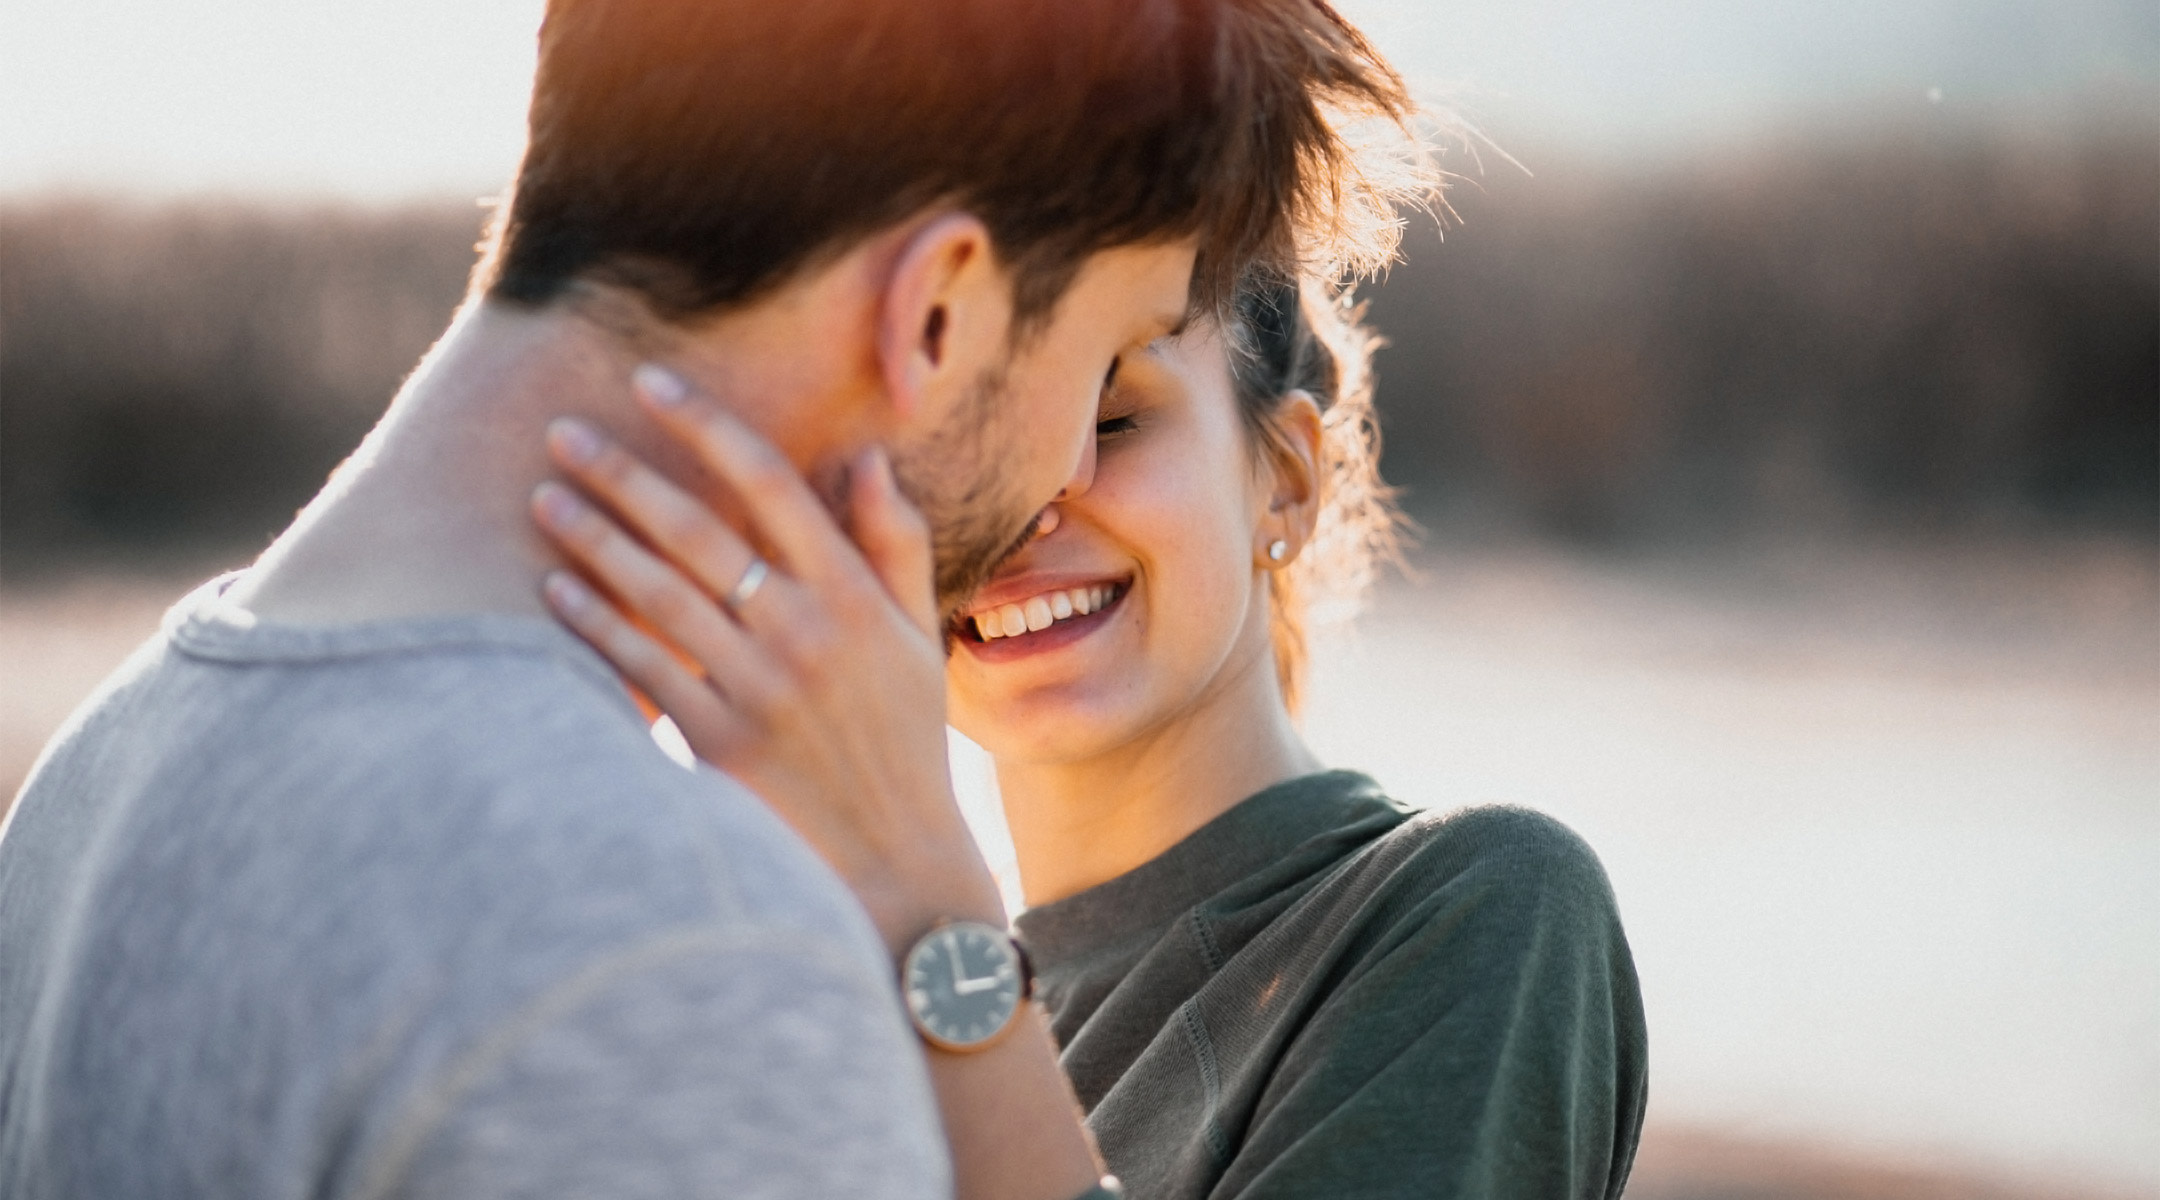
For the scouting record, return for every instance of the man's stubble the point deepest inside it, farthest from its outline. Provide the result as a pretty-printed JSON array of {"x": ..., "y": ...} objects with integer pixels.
[{"x": 976, "y": 515}]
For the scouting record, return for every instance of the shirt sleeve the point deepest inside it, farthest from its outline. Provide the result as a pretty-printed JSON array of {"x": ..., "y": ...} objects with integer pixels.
[
  {"x": 1487, "y": 1040},
  {"x": 691, "y": 1068}
]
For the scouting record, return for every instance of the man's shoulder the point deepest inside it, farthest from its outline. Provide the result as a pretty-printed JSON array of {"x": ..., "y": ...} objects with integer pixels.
[
  {"x": 483, "y": 741},
  {"x": 508, "y": 781},
  {"x": 475, "y": 801},
  {"x": 385, "y": 894}
]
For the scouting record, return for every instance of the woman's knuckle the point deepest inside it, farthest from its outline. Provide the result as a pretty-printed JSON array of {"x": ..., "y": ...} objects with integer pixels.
[
  {"x": 674, "y": 529},
  {"x": 666, "y": 604},
  {"x": 611, "y": 469},
  {"x": 629, "y": 650},
  {"x": 768, "y": 475},
  {"x": 703, "y": 541},
  {"x": 811, "y": 645}
]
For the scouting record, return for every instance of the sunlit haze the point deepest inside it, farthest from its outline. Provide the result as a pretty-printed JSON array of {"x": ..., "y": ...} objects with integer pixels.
[{"x": 393, "y": 98}]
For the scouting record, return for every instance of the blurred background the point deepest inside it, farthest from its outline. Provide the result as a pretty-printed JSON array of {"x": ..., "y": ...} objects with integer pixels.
[{"x": 1781, "y": 407}]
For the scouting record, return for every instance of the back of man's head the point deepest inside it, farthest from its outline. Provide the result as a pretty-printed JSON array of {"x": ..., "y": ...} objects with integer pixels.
[{"x": 700, "y": 152}]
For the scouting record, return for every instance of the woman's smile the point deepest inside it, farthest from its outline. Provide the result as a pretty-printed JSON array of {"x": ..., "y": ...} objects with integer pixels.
[{"x": 1034, "y": 614}]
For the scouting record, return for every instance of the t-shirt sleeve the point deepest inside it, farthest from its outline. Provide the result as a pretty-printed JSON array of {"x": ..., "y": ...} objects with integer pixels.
[
  {"x": 1487, "y": 1039},
  {"x": 691, "y": 1068}
]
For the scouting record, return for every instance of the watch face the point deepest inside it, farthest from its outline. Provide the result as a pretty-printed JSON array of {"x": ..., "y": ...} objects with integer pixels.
[{"x": 963, "y": 984}]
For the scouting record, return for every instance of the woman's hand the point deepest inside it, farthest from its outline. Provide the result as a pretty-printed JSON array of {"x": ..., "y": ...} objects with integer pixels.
[{"x": 820, "y": 684}]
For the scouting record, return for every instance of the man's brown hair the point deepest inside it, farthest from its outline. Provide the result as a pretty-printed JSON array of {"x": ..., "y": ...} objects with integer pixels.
[{"x": 699, "y": 152}]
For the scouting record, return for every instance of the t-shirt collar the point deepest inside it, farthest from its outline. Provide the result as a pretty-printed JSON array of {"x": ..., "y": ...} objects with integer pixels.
[{"x": 1258, "y": 830}]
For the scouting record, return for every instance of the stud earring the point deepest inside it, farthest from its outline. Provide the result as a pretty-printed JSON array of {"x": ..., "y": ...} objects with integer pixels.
[{"x": 1276, "y": 549}]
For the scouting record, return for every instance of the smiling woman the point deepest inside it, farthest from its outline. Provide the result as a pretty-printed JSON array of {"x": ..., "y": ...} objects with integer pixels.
[{"x": 1266, "y": 978}]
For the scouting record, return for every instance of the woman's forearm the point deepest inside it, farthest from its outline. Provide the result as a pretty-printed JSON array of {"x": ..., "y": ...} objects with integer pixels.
[{"x": 1011, "y": 1119}]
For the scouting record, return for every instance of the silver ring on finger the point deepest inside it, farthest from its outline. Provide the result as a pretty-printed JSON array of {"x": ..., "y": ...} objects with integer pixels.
[{"x": 753, "y": 578}]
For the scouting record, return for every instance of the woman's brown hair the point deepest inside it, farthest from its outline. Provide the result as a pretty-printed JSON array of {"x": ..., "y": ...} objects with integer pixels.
[{"x": 1309, "y": 336}]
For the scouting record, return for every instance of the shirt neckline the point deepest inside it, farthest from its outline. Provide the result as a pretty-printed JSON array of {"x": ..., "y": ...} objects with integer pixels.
[
  {"x": 205, "y": 625},
  {"x": 1258, "y": 830}
]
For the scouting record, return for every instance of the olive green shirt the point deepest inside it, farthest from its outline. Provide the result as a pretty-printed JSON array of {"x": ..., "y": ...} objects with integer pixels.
[{"x": 1323, "y": 993}]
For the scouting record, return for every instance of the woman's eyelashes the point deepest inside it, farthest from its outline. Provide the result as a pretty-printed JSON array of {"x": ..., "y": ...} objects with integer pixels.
[{"x": 1111, "y": 427}]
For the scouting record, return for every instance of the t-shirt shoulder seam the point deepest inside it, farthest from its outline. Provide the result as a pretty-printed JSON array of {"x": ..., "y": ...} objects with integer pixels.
[
  {"x": 437, "y": 1100},
  {"x": 1499, "y": 830},
  {"x": 1521, "y": 850}
]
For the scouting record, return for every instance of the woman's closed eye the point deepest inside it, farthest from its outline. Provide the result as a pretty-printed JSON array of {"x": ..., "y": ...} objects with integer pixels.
[{"x": 1111, "y": 427}]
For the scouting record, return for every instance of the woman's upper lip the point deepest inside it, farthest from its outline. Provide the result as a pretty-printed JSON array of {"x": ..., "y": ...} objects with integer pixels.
[{"x": 1000, "y": 592}]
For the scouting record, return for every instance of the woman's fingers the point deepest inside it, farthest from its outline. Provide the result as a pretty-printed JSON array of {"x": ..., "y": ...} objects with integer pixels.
[
  {"x": 715, "y": 729},
  {"x": 668, "y": 517},
  {"x": 787, "y": 513},
  {"x": 648, "y": 586},
  {"x": 893, "y": 537}
]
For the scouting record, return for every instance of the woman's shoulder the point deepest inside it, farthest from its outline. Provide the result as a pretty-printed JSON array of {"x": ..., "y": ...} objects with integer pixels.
[
  {"x": 1497, "y": 836},
  {"x": 1491, "y": 863}
]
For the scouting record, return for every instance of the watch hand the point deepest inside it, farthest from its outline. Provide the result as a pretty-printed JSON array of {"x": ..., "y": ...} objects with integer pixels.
[
  {"x": 972, "y": 985},
  {"x": 952, "y": 956}
]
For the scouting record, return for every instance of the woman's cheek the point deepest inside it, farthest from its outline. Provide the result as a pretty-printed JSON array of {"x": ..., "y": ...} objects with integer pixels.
[{"x": 1202, "y": 570}]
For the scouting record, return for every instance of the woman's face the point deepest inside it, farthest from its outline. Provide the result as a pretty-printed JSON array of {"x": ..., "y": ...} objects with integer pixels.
[{"x": 1141, "y": 599}]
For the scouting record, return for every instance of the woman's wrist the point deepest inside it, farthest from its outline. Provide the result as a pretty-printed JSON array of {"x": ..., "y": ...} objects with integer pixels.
[{"x": 936, "y": 884}]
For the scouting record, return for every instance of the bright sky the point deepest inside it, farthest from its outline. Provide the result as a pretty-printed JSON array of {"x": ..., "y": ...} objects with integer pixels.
[{"x": 379, "y": 99}]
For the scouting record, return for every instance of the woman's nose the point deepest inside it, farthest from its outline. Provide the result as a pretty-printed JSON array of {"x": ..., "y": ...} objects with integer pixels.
[{"x": 1047, "y": 521}]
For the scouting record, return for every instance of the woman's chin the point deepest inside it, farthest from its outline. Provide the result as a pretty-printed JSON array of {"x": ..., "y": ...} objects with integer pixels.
[{"x": 1046, "y": 730}]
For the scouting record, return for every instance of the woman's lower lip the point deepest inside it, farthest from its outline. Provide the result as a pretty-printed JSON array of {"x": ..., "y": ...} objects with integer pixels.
[{"x": 1057, "y": 635}]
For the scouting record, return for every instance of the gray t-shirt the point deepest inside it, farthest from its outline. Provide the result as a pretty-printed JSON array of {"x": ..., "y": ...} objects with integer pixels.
[{"x": 418, "y": 909}]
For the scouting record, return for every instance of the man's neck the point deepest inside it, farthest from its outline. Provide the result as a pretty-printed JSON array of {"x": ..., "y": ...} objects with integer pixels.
[{"x": 429, "y": 516}]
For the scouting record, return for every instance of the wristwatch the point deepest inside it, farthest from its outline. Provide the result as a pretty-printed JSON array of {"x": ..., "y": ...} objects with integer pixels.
[{"x": 965, "y": 983}]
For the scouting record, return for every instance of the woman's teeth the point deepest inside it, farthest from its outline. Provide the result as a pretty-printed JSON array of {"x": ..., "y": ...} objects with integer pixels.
[{"x": 1040, "y": 612}]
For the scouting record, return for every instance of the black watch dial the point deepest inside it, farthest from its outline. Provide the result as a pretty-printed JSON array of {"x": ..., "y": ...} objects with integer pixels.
[{"x": 963, "y": 985}]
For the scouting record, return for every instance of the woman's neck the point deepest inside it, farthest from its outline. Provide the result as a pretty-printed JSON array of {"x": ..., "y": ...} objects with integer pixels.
[{"x": 1082, "y": 822}]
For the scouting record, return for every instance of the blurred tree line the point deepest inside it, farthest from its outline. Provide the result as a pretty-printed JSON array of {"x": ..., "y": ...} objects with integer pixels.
[{"x": 1926, "y": 326}]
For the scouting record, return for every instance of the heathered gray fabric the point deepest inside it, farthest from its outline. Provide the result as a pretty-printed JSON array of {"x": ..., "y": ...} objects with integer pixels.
[
  {"x": 1323, "y": 995},
  {"x": 417, "y": 909}
]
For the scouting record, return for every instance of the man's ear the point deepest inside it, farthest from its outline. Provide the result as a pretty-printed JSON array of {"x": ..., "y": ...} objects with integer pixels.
[
  {"x": 1293, "y": 459},
  {"x": 946, "y": 311}
]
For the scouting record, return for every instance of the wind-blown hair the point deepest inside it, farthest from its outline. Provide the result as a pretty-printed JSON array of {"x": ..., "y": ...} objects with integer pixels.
[
  {"x": 1309, "y": 336},
  {"x": 699, "y": 152}
]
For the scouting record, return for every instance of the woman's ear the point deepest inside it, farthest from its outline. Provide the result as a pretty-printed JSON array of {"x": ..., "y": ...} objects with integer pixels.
[
  {"x": 1294, "y": 462},
  {"x": 945, "y": 312}
]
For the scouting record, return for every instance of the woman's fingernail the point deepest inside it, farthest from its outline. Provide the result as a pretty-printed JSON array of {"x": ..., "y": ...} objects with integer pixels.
[
  {"x": 664, "y": 388},
  {"x": 559, "y": 509},
  {"x": 566, "y": 593},
  {"x": 574, "y": 440}
]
